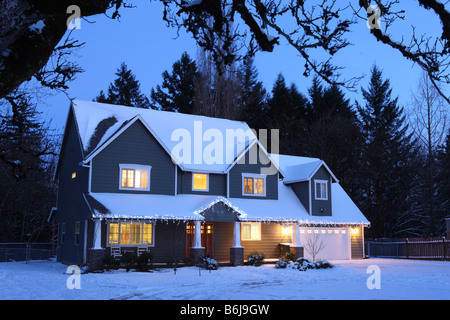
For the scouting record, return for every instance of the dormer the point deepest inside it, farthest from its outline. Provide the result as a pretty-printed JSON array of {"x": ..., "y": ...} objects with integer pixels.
[{"x": 311, "y": 182}]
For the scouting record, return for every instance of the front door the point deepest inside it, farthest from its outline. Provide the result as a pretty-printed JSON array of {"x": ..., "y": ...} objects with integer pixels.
[{"x": 207, "y": 229}]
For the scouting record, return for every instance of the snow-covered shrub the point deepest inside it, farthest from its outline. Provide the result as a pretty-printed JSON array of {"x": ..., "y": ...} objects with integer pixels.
[
  {"x": 256, "y": 259},
  {"x": 128, "y": 259},
  {"x": 281, "y": 264},
  {"x": 303, "y": 264},
  {"x": 144, "y": 261},
  {"x": 208, "y": 263},
  {"x": 323, "y": 264}
]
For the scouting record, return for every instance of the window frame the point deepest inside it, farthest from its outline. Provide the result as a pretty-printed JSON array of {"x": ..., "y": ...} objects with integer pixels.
[
  {"x": 254, "y": 176},
  {"x": 207, "y": 182},
  {"x": 258, "y": 224},
  {"x": 320, "y": 183},
  {"x": 130, "y": 244},
  {"x": 128, "y": 166}
]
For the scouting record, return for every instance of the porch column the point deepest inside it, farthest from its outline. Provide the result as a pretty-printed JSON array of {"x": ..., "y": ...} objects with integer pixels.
[
  {"x": 97, "y": 243},
  {"x": 96, "y": 253},
  {"x": 297, "y": 247},
  {"x": 236, "y": 251},
  {"x": 197, "y": 252}
]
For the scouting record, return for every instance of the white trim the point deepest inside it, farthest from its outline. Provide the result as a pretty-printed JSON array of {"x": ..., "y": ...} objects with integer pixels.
[
  {"x": 90, "y": 176},
  {"x": 176, "y": 180},
  {"x": 318, "y": 181},
  {"x": 207, "y": 182},
  {"x": 253, "y": 176},
  {"x": 85, "y": 241},
  {"x": 134, "y": 167},
  {"x": 310, "y": 198}
]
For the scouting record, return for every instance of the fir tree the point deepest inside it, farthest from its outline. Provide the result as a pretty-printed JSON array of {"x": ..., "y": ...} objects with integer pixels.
[
  {"x": 387, "y": 157},
  {"x": 124, "y": 90},
  {"x": 177, "y": 91}
]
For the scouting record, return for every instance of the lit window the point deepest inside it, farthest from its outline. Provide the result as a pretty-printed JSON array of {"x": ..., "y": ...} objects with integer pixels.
[
  {"x": 254, "y": 185},
  {"x": 251, "y": 231},
  {"x": 200, "y": 181},
  {"x": 74, "y": 175},
  {"x": 127, "y": 233},
  {"x": 321, "y": 189},
  {"x": 134, "y": 177}
]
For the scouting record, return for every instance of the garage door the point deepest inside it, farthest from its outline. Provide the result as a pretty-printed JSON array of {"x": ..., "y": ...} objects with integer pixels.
[{"x": 327, "y": 243}]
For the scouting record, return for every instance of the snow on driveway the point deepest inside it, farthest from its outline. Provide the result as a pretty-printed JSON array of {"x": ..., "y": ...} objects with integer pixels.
[{"x": 399, "y": 279}]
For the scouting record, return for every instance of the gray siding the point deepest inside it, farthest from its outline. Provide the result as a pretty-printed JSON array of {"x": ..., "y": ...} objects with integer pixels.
[
  {"x": 220, "y": 213},
  {"x": 317, "y": 205},
  {"x": 217, "y": 184},
  {"x": 301, "y": 189},
  {"x": 134, "y": 146},
  {"x": 235, "y": 177},
  {"x": 71, "y": 204},
  {"x": 223, "y": 240}
]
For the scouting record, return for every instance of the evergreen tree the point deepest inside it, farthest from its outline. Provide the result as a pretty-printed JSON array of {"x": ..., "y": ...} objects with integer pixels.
[
  {"x": 333, "y": 134},
  {"x": 124, "y": 90},
  {"x": 177, "y": 91},
  {"x": 387, "y": 158},
  {"x": 253, "y": 95},
  {"x": 443, "y": 182},
  {"x": 286, "y": 110},
  {"x": 27, "y": 158}
]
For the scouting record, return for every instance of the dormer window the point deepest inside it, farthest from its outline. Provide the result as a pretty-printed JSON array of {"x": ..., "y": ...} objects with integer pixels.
[
  {"x": 134, "y": 177},
  {"x": 200, "y": 182},
  {"x": 321, "y": 191},
  {"x": 253, "y": 184}
]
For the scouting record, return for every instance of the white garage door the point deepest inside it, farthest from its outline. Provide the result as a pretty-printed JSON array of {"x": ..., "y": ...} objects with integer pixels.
[{"x": 327, "y": 243}]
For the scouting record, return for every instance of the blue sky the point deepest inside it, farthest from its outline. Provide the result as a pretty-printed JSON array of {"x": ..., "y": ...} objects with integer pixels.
[{"x": 143, "y": 41}]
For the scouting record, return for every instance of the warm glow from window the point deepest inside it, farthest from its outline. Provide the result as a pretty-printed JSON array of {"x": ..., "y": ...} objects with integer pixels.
[
  {"x": 251, "y": 231},
  {"x": 200, "y": 181},
  {"x": 286, "y": 230},
  {"x": 74, "y": 175},
  {"x": 135, "y": 179},
  {"x": 254, "y": 185},
  {"x": 127, "y": 233}
]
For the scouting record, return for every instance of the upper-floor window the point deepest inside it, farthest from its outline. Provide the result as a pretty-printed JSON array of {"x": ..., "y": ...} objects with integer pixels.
[
  {"x": 134, "y": 177},
  {"x": 321, "y": 187},
  {"x": 253, "y": 184},
  {"x": 77, "y": 232},
  {"x": 200, "y": 181}
]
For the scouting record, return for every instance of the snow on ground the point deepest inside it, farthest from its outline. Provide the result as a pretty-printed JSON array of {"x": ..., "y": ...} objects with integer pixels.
[{"x": 399, "y": 279}]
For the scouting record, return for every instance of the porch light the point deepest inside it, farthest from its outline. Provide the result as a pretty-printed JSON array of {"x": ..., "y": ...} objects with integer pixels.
[
  {"x": 355, "y": 231},
  {"x": 286, "y": 230}
]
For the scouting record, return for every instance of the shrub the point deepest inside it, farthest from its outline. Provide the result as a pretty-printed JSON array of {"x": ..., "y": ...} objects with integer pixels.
[
  {"x": 256, "y": 259},
  {"x": 323, "y": 264},
  {"x": 208, "y": 263},
  {"x": 109, "y": 262},
  {"x": 128, "y": 259},
  {"x": 144, "y": 261},
  {"x": 281, "y": 264}
]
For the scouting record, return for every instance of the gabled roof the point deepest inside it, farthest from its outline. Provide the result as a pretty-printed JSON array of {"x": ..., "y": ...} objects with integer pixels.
[
  {"x": 99, "y": 123},
  {"x": 297, "y": 169}
]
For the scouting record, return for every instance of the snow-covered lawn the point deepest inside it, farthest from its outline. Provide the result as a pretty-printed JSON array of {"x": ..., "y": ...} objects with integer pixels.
[{"x": 399, "y": 279}]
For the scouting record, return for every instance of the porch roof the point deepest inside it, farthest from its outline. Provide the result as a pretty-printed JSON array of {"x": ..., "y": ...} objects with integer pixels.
[{"x": 190, "y": 207}]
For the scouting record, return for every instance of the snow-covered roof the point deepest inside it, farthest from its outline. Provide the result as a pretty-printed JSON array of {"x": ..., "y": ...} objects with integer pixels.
[
  {"x": 98, "y": 122},
  {"x": 191, "y": 206}
]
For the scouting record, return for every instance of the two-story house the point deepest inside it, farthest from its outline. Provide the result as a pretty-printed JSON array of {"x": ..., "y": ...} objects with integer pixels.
[{"x": 184, "y": 186}]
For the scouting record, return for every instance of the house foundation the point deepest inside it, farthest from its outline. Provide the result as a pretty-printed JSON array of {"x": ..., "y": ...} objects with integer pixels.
[{"x": 196, "y": 254}]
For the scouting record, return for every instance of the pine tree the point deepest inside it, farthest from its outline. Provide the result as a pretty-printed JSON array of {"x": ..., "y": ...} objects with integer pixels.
[
  {"x": 253, "y": 95},
  {"x": 387, "y": 157},
  {"x": 27, "y": 157},
  {"x": 124, "y": 90},
  {"x": 177, "y": 91},
  {"x": 443, "y": 182}
]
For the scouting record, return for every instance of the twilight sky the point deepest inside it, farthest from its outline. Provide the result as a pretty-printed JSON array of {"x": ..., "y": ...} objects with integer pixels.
[{"x": 142, "y": 40}]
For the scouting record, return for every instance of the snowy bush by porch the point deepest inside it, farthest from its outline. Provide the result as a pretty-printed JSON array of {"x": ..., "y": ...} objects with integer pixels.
[
  {"x": 302, "y": 264},
  {"x": 256, "y": 259},
  {"x": 208, "y": 263}
]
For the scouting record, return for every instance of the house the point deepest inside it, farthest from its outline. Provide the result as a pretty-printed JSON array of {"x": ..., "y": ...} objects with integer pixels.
[{"x": 184, "y": 186}]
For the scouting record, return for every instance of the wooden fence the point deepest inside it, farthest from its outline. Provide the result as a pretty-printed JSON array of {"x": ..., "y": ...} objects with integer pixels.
[{"x": 437, "y": 248}]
